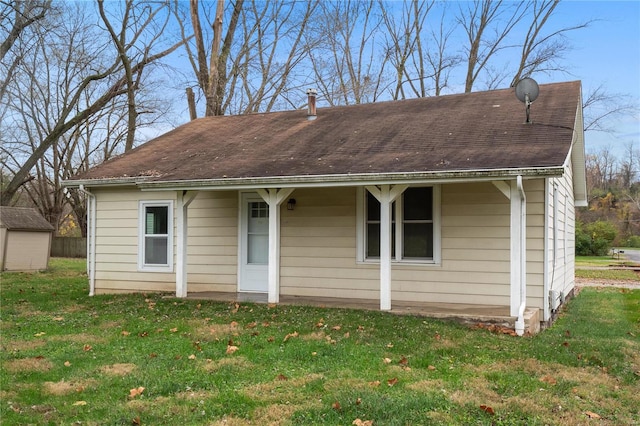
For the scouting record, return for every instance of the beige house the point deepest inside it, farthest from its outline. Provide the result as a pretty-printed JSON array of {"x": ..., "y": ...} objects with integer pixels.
[
  {"x": 451, "y": 200},
  {"x": 25, "y": 239}
]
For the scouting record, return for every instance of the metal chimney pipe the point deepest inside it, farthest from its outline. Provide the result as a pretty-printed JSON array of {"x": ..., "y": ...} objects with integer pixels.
[{"x": 311, "y": 102}]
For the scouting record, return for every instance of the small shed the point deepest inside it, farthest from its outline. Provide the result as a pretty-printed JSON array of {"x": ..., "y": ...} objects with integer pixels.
[{"x": 25, "y": 239}]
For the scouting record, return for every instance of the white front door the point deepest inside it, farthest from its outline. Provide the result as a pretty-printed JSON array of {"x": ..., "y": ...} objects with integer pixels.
[{"x": 254, "y": 244}]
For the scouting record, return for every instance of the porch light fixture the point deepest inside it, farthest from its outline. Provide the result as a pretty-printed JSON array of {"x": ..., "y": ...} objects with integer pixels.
[{"x": 291, "y": 204}]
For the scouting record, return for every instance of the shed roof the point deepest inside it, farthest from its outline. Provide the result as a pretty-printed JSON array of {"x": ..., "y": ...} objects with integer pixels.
[
  {"x": 480, "y": 131},
  {"x": 23, "y": 219}
]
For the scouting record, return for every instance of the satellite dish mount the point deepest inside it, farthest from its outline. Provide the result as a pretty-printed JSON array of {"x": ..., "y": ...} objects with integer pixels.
[{"x": 527, "y": 91}]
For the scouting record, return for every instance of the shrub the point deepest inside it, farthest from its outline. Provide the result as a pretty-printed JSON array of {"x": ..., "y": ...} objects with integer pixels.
[
  {"x": 595, "y": 239},
  {"x": 632, "y": 241}
]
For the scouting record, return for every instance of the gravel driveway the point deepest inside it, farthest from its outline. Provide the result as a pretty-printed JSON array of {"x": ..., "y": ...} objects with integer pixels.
[{"x": 590, "y": 282}]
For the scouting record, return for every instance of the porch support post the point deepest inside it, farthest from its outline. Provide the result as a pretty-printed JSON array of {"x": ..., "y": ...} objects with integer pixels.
[
  {"x": 274, "y": 197},
  {"x": 518, "y": 248},
  {"x": 386, "y": 195},
  {"x": 184, "y": 199}
]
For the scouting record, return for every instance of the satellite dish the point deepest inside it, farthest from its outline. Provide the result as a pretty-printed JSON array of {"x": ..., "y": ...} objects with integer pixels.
[{"x": 527, "y": 91}]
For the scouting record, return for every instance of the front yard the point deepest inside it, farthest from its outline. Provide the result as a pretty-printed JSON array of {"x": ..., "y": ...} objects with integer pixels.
[{"x": 153, "y": 359}]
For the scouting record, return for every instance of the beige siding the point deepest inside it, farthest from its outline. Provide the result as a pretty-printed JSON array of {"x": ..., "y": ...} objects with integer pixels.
[
  {"x": 319, "y": 246},
  {"x": 561, "y": 256},
  {"x": 26, "y": 251},
  {"x": 535, "y": 193},
  {"x": 212, "y": 251},
  {"x": 319, "y": 249},
  {"x": 213, "y": 242}
]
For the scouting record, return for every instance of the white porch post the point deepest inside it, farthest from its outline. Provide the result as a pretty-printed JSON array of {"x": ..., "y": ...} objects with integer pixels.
[
  {"x": 274, "y": 197},
  {"x": 518, "y": 247},
  {"x": 184, "y": 199},
  {"x": 386, "y": 195}
]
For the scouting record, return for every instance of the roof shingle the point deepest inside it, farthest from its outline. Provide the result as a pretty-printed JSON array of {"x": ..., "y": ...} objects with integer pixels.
[
  {"x": 23, "y": 219},
  {"x": 475, "y": 131}
]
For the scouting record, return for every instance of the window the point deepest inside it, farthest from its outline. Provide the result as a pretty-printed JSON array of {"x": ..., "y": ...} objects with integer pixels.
[
  {"x": 415, "y": 233},
  {"x": 156, "y": 236}
]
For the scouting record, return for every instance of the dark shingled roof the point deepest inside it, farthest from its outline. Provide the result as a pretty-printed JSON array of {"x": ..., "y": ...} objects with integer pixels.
[
  {"x": 23, "y": 219},
  {"x": 465, "y": 132}
]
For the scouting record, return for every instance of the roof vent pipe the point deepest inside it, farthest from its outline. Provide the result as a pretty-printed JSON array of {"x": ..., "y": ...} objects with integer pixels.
[{"x": 311, "y": 102}]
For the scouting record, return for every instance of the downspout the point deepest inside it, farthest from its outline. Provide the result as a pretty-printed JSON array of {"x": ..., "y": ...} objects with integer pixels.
[
  {"x": 91, "y": 239},
  {"x": 519, "y": 325}
]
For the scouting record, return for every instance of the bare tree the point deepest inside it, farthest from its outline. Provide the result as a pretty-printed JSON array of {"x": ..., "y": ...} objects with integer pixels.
[
  {"x": 601, "y": 108},
  {"x": 147, "y": 19},
  {"x": 95, "y": 72},
  {"x": 404, "y": 46},
  {"x": 541, "y": 52},
  {"x": 211, "y": 74},
  {"x": 487, "y": 23},
  {"x": 346, "y": 64},
  {"x": 24, "y": 13},
  {"x": 15, "y": 18}
]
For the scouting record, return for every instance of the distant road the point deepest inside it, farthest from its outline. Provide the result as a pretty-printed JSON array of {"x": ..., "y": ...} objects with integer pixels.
[{"x": 632, "y": 255}]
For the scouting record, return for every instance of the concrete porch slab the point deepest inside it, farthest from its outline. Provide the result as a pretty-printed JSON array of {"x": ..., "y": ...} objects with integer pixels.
[{"x": 461, "y": 312}]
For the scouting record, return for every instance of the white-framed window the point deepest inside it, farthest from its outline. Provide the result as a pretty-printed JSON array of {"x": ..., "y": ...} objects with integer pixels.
[
  {"x": 414, "y": 238},
  {"x": 155, "y": 247}
]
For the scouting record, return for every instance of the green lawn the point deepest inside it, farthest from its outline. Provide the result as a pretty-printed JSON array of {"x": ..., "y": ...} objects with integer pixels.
[{"x": 150, "y": 359}]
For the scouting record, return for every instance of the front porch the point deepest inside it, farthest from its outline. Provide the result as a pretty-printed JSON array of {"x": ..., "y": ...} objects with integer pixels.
[{"x": 461, "y": 312}]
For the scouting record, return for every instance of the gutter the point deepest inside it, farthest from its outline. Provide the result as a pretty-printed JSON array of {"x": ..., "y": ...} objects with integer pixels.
[
  {"x": 519, "y": 325},
  {"x": 91, "y": 239},
  {"x": 301, "y": 181}
]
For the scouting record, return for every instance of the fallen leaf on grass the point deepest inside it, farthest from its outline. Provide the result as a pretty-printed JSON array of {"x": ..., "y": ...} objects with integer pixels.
[
  {"x": 136, "y": 421},
  {"x": 125, "y": 333},
  {"x": 136, "y": 392},
  {"x": 403, "y": 361},
  {"x": 290, "y": 335},
  {"x": 251, "y": 325},
  {"x": 231, "y": 349},
  {"x": 392, "y": 382},
  {"x": 358, "y": 422},
  {"x": 387, "y": 360},
  {"x": 336, "y": 327},
  {"x": 281, "y": 377},
  {"x": 487, "y": 409},
  {"x": 375, "y": 383},
  {"x": 592, "y": 415},
  {"x": 80, "y": 403},
  {"x": 431, "y": 368},
  {"x": 358, "y": 401},
  {"x": 192, "y": 356},
  {"x": 173, "y": 330},
  {"x": 548, "y": 379},
  {"x": 67, "y": 364},
  {"x": 87, "y": 348},
  {"x": 42, "y": 333},
  {"x": 58, "y": 318},
  {"x": 336, "y": 406}
]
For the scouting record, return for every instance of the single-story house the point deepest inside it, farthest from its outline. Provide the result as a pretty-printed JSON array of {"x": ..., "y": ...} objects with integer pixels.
[
  {"x": 455, "y": 199},
  {"x": 25, "y": 239}
]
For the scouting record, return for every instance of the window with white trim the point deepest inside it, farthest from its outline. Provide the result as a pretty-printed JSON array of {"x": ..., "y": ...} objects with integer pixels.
[
  {"x": 415, "y": 233},
  {"x": 156, "y": 236}
]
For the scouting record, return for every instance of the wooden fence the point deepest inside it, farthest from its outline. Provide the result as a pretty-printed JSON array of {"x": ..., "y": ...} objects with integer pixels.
[{"x": 68, "y": 247}]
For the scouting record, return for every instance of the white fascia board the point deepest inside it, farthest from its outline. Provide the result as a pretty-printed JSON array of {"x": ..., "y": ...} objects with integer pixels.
[{"x": 351, "y": 180}]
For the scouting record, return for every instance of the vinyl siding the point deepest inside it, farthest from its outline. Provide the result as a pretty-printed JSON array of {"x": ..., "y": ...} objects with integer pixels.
[
  {"x": 212, "y": 251},
  {"x": 319, "y": 246},
  {"x": 318, "y": 255},
  {"x": 561, "y": 258}
]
